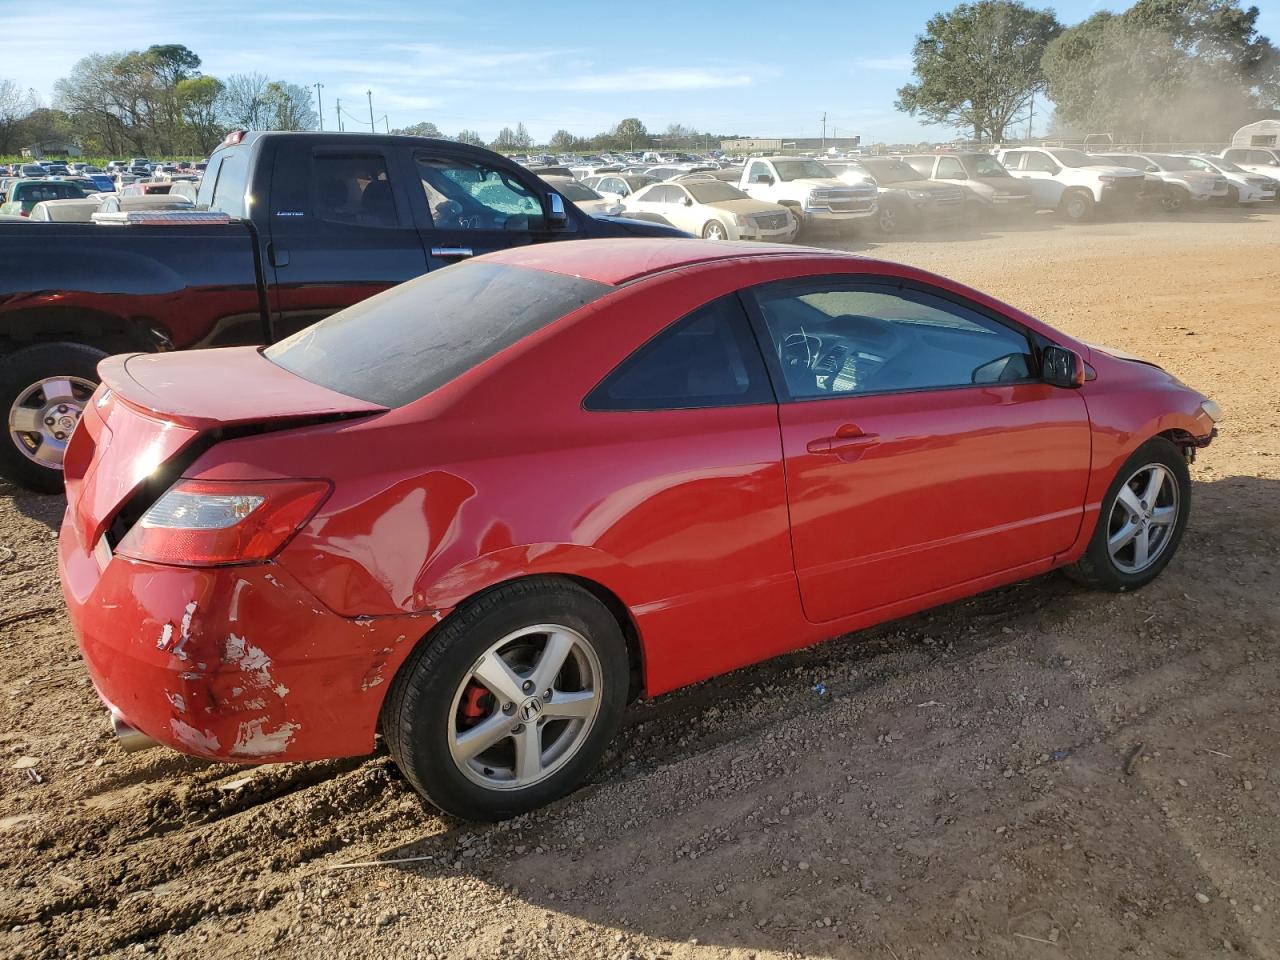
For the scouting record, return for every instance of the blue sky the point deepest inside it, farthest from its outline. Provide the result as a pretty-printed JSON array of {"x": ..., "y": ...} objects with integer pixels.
[{"x": 757, "y": 68}]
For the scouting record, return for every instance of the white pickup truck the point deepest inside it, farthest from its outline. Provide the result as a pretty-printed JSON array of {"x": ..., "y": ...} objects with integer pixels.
[
  {"x": 810, "y": 190},
  {"x": 1071, "y": 181}
]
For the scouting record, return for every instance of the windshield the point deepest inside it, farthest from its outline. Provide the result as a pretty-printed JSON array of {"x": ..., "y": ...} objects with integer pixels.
[
  {"x": 1075, "y": 158},
  {"x": 573, "y": 190},
  {"x": 407, "y": 341},
  {"x": 982, "y": 165},
  {"x": 714, "y": 192},
  {"x": 888, "y": 170},
  {"x": 1175, "y": 164},
  {"x": 1226, "y": 166},
  {"x": 801, "y": 168}
]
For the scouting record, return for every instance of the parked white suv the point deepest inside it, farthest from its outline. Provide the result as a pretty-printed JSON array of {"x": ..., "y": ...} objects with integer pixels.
[
  {"x": 1182, "y": 183},
  {"x": 1071, "y": 181},
  {"x": 1242, "y": 186},
  {"x": 1260, "y": 160},
  {"x": 814, "y": 196}
]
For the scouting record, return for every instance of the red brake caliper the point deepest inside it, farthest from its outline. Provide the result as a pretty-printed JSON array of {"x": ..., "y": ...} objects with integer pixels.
[{"x": 477, "y": 703}]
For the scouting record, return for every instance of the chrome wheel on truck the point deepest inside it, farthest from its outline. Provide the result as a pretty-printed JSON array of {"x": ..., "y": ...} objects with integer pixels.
[{"x": 44, "y": 389}]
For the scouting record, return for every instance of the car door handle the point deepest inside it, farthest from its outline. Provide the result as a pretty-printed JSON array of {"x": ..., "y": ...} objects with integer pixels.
[
  {"x": 451, "y": 251},
  {"x": 847, "y": 439}
]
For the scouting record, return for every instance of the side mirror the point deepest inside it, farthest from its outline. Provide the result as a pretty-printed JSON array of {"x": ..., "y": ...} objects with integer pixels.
[
  {"x": 686, "y": 201},
  {"x": 1061, "y": 367},
  {"x": 558, "y": 219}
]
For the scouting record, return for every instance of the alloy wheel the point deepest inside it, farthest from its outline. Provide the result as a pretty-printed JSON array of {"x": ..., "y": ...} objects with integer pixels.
[
  {"x": 525, "y": 707},
  {"x": 1143, "y": 518},
  {"x": 888, "y": 219},
  {"x": 43, "y": 416},
  {"x": 714, "y": 231}
]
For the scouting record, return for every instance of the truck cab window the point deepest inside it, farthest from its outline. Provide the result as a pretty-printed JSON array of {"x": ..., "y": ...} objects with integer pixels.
[
  {"x": 467, "y": 195},
  {"x": 353, "y": 188}
]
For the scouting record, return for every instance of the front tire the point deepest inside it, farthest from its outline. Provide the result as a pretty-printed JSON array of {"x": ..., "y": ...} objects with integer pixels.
[
  {"x": 888, "y": 218},
  {"x": 1077, "y": 206},
  {"x": 511, "y": 702},
  {"x": 1143, "y": 517},
  {"x": 714, "y": 230},
  {"x": 44, "y": 388}
]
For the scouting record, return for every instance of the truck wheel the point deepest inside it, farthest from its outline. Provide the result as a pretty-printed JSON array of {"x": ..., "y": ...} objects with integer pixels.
[
  {"x": 799, "y": 215},
  {"x": 1077, "y": 205},
  {"x": 714, "y": 230},
  {"x": 43, "y": 390},
  {"x": 510, "y": 702},
  {"x": 1173, "y": 200},
  {"x": 889, "y": 218}
]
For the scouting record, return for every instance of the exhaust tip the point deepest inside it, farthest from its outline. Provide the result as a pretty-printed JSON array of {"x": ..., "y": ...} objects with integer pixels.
[{"x": 130, "y": 739}]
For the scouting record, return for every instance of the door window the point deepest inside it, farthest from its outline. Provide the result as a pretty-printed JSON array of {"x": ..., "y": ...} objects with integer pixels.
[
  {"x": 1039, "y": 163},
  {"x": 758, "y": 170},
  {"x": 707, "y": 359},
  {"x": 1013, "y": 159},
  {"x": 470, "y": 195},
  {"x": 835, "y": 338},
  {"x": 353, "y": 189},
  {"x": 949, "y": 168},
  {"x": 230, "y": 184}
]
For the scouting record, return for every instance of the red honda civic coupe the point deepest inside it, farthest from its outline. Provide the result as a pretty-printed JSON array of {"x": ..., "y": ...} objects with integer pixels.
[{"x": 478, "y": 513}]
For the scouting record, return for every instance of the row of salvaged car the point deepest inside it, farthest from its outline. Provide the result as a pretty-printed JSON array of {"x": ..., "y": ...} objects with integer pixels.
[{"x": 774, "y": 198}]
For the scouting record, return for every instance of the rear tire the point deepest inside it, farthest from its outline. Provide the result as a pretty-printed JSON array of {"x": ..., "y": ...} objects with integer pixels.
[
  {"x": 32, "y": 446},
  {"x": 438, "y": 697},
  {"x": 1130, "y": 519},
  {"x": 1174, "y": 200},
  {"x": 714, "y": 230}
]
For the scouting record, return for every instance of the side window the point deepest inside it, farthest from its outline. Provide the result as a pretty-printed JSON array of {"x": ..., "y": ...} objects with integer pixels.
[
  {"x": 758, "y": 169},
  {"x": 656, "y": 195},
  {"x": 468, "y": 195},
  {"x": 612, "y": 185},
  {"x": 834, "y": 338},
  {"x": 1235, "y": 156},
  {"x": 707, "y": 359},
  {"x": 949, "y": 168},
  {"x": 208, "y": 183},
  {"x": 353, "y": 188},
  {"x": 232, "y": 182},
  {"x": 1039, "y": 163}
]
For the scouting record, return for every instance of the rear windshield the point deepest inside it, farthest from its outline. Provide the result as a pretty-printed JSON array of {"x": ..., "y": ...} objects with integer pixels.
[{"x": 410, "y": 340}]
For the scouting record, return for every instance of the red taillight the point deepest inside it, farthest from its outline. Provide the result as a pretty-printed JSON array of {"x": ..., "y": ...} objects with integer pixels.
[{"x": 200, "y": 523}]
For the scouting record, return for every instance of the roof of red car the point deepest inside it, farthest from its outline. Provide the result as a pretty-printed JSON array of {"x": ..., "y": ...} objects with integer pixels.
[{"x": 618, "y": 260}]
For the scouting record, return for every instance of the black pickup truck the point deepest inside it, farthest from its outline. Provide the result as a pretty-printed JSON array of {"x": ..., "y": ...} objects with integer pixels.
[{"x": 318, "y": 221}]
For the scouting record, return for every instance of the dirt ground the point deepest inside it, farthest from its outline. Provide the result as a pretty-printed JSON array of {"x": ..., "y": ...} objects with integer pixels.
[{"x": 1039, "y": 772}]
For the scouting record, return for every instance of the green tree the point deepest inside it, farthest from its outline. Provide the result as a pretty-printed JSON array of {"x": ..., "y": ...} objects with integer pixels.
[
  {"x": 199, "y": 101},
  {"x": 521, "y": 139},
  {"x": 631, "y": 131},
  {"x": 470, "y": 137},
  {"x": 423, "y": 129},
  {"x": 978, "y": 66},
  {"x": 562, "y": 141},
  {"x": 289, "y": 107},
  {"x": 1164, "y": 71},
  {"x": 15, "y": 105}
]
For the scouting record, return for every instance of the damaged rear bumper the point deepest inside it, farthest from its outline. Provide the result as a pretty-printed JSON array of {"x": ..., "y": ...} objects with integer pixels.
[{"x": 237, "y": 664}]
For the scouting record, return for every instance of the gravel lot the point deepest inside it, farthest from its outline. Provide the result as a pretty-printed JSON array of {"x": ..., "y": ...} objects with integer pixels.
[{"x": 1040, "y": 772}]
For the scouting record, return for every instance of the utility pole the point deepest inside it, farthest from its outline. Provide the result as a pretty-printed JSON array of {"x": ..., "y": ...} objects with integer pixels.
[
  {"x": 372, "y": 128},
  {"x": 824, "y": 131},
  {"x": 340, "y": 115},
  {"x": 1031, "y": 113},
  {"x": 320, "y": 104}
]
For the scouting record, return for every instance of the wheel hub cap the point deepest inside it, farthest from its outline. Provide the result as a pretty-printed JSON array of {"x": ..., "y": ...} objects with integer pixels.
[
  {"x": 1143, "y": 518},
  {"x": 545, "y": 684},
  {"x": 44, "y": 416}
]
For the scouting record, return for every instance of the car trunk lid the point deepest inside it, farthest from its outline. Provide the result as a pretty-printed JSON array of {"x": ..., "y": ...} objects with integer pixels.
[{"x": 155, "y": 413}]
